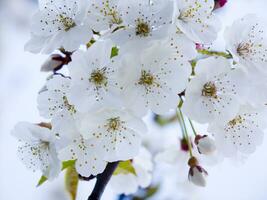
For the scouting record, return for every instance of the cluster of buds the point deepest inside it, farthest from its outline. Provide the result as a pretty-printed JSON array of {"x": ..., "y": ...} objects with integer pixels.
[{"x": 197, "y": 174}]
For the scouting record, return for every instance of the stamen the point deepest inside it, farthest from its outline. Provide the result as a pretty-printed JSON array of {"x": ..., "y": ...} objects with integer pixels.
[
  {"x": 98, "y": 77},
  {"x": 142, "y": 28},
  {"x": 70, "y": 107},
  {"x": 146, "y": 78},
  {"x": 114, "y": 124},
  {"x": 243, "y": 49},
  {"x": 209, "y": 90},
  {"x": 236, "y": 121},
  {"x": 67, "y": 22}
]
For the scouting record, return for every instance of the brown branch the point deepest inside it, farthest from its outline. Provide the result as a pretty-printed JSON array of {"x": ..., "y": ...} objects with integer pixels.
[{"x": 102, "y": 181}]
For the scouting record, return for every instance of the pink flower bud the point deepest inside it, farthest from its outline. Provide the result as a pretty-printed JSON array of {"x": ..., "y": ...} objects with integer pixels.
[{"x": 205, "y": 144}]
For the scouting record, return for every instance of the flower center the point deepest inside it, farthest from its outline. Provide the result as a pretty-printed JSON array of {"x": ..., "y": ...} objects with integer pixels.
[
  {"x": 236, "y": 121},
  {"x": 209, "y": 90},
  {"x": 243, "y": 49},
  {"x": 70, "y": 107},
  {"x": 98, "y": 77},
  {"x": 142, "y": 28},
  {"x": 114, "y": 124},
  {"x": 67, "y": 22},
  {"x": 146, "y": 78}
]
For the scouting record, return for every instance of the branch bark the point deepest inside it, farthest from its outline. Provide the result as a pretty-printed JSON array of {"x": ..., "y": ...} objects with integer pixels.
[{"x": 102, "y": 181}]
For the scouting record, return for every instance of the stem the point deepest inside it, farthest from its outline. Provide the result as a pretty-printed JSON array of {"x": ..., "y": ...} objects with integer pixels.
[
  {"x": 185, "y": 132},
  {"x": 192, "y": 126},
  {"x": 102, "y": 181},
  {"x": 215, "y": 53},
  {"x": 180, "y": 119}
]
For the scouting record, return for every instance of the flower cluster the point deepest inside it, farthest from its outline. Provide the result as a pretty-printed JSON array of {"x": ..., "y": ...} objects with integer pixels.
[{"x": 127, "y": 58}]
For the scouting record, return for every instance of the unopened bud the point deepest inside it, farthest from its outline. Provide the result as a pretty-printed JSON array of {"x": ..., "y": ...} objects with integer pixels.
[
  {"x": 197, "y": 175},
  {"x": 205, "y": 144},
  {"x": 55, "y": 62}
]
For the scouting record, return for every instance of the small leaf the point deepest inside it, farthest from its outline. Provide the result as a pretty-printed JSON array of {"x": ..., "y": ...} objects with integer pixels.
[
  {"x": 125, "y": 167},
  {"x": 114, "y": 52},
  {"x": 71, "y": 182},
  {"x": 66, "y": 164},
  {"x": 41, "y": 181}
]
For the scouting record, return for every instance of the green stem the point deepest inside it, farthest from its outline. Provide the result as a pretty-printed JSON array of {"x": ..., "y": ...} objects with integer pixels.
[
  {"x": 180, "y": 120},
  {"x": 185, "y": 132},
  {"x": 215, "y": 53},
  {"x": 192, "y": 126}
]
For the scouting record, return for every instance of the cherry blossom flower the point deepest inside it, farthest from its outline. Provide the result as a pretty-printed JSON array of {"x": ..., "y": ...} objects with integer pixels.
[
  {"x": 118, "y": 132},
  {"x": 94, "y": 78},
  {"x": 87, "y": 155},
  {"x": 143, "y": 21},
  {"x": 246, "y": 40},
  {"x": 243, "y": 133},
  {"x": 128, "y": 183},
  {"x": 58, "y": 24},
  {"x": 196, "y": 20},
  {"x": 215, "y": 92},
  {"x": 154, "y": 81},
  {"x": 37, "y": 149}
]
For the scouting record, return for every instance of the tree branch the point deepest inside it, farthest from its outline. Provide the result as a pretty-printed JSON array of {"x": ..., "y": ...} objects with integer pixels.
[{"x": 102, "y": 181}]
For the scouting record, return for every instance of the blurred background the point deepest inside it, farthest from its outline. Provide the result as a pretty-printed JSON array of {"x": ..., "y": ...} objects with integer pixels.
[{"x": 20, "y": 81}]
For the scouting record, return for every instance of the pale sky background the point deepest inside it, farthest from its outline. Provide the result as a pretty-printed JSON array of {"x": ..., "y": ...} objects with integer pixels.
[{"x": 20, "y": 80}]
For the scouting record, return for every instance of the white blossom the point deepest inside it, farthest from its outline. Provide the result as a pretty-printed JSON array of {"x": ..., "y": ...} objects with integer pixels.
[
  {"x": 128, "y": 183},
  {"x": 154, "y": 81},
  {"x": 37, "y": 149},
  {"x": 243, "y": 133},
  {"x": 58, "y": 24},
  {"x": 247, "y": 42},
  {"x": 215, "y": 92},
  {"x": 87, "y": 155},
  {"x": 94, "y": 78},
  {"x": 195, "y": 19},
  {"x": 143, "y": 21},
  {"x": 118, "y": 132}
]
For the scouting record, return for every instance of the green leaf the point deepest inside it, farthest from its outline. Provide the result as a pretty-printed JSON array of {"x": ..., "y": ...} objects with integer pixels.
[
  {"x": 125, "y": 167},
  {"x": 114, "y": 52},
  {"x": 71, "y": 182},
  {"x": 65, "y": 165},
  {"x": 41, "y": 181}
]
